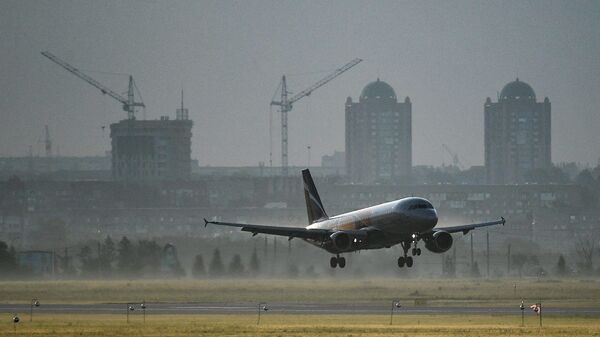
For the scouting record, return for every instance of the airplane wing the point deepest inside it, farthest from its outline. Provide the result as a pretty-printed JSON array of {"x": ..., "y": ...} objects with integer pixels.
[
  {"x": 290, "y": 232},
  {"x": 467, "y": 228}
]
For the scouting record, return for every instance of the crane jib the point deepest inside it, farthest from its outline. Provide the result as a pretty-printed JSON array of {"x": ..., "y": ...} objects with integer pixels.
[{"x": 129, "y": 103}]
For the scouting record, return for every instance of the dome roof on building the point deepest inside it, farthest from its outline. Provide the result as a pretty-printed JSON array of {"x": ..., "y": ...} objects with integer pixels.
[
  {"x": 517, "y": 89},
  {"x": 377, "y": 89}
]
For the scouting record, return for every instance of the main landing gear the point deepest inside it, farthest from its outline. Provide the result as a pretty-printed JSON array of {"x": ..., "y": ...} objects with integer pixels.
[
  {"x": 408, "y": 260},
  {"x": 337, "y": 261}
]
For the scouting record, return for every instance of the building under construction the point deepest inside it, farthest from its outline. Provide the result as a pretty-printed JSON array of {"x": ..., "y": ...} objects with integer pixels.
[
  {"x": 147, "y": 149},
  {"x": 151, "y": 149}
]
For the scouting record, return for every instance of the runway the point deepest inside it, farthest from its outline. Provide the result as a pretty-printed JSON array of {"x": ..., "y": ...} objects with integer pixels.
[{"x": 281, "y": 308}]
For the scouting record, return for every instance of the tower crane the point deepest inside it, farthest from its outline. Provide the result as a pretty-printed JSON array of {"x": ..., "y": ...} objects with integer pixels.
[
  {"x": 455, "y": 160},
  {"x": 129, "y": 103},
  {"x": 48, "y": 143},
  {"x": 286, "y": 104}
]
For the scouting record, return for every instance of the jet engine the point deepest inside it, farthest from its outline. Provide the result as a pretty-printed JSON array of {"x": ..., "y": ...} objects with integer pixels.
[
  {"x": 341, "y": 240},
  {"x": 439, "y": 242}
]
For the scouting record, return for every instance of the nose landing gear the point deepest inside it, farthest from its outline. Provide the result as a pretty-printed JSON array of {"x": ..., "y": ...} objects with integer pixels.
[
  {"x": 337, "y": 261},
  {"x": 416, "y": 251}
]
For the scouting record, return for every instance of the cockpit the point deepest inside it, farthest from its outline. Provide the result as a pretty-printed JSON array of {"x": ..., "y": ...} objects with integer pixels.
[
  {"x": 417, "y": 203},
  {"x": 422, "y": 204},
  {"x": 419, "y": 211}
]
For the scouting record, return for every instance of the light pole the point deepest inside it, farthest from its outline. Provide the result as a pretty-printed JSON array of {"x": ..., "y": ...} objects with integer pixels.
[
  {"x": 34, "y": 303},
  {"x": 143, "y": 306},
  {"x": 129, "y": 308},
  {"x": 540, "y": 311},
  {"x": 522, "y": 307},
  {"x": 395, "y": 305},
  {"x": 261, "y": 307},
  {"x": 15, "y": 320}
]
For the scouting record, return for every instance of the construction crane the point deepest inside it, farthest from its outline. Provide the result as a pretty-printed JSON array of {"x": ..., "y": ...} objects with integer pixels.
[
  {"x": 455, "y": 160},
  {"x": 129, "y": 103},
  {"x": 48, "y": 143},
  {"x": 286, "y": 104}
]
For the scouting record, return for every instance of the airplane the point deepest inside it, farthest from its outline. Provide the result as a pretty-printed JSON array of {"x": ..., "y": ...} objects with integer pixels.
[{"x": 405, "y": 221}]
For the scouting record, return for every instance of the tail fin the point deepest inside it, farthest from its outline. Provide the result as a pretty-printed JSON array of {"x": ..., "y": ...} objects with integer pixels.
[{"x": 314, "y": 206}]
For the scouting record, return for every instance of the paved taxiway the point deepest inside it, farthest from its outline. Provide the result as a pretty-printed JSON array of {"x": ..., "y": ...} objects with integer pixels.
[{"x": 281, "y": 308}]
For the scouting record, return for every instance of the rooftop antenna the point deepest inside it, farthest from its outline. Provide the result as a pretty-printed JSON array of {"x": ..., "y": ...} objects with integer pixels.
[{"x": 182, "y": 112}]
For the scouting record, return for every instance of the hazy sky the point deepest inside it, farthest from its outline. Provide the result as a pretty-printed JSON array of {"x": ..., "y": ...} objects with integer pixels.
[{"x": 447, "y": 56}]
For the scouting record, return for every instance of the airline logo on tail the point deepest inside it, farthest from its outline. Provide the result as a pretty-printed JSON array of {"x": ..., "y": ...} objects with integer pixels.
[{"x": 314, "y": 206}]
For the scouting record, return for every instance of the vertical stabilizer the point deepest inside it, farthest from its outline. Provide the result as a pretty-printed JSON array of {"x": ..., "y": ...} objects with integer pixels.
[{"x": 314, "y": 206}]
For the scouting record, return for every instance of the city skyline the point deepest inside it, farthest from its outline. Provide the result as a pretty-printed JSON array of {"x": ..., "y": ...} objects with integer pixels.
[{"x": 228, "y": 59}]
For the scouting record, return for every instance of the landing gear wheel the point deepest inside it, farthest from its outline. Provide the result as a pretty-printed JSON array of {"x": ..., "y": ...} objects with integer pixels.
[
  {"x": 341, "y": 262},
  {"x": 409, "y": 261},
  {"x": 414, "y": 251},
  {"x": 401, "y": 261},
  {"x": 333, "y": 262},
  {"x": 418, "y": 251}
]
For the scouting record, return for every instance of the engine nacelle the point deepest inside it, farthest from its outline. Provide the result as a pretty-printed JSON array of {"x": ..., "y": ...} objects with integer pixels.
[
  {"x": 439, "y": 242},
  {"x": 342, "y": 241}
]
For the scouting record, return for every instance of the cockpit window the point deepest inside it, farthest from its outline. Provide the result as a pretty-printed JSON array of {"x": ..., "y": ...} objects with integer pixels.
[{"x": 421, "y": 206}]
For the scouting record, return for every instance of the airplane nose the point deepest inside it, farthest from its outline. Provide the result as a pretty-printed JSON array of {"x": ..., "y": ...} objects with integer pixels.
[{"x": 431, "y": 217}]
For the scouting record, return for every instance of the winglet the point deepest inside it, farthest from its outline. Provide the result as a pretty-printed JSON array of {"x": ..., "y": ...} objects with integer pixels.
[
  {"x": 503, "y": 220},
  {"x": 205, "y": 222}
]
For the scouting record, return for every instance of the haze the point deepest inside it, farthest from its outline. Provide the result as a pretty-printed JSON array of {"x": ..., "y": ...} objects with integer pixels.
[{"x": 229, "y": 56}]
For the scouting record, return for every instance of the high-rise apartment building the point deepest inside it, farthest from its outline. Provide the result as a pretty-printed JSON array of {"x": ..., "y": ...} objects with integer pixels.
[
  {"x": 517, "y": 135},
  {"x": 378, "y": 135}
]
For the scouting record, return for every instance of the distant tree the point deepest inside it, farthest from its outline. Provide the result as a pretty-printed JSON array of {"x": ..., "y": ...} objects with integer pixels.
[
  {"x": 8, "y": 260},
  {"x": 254, "y": 263},
  {"x": 108, "y": 254},
  {"x": 585, "y": 179},
  {"x": 198, "y": 269},
  {"x": 216, "y": 267},
  {"x": 170, "y": 265},
  {"x": 148, "y": 256},
  {"x": 518, "y": 261},
  {"x": 585, "y": 249},
  {"x": 126, "y": 260},
  {"x": 561, "y": 266},
  {"x": 235, "y": 266},
  {"x": 89, "y": 264}
]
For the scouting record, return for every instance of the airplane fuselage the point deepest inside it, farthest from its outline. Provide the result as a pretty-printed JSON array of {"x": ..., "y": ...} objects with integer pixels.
[
  {"x": 385, "y": 224},
  {"x": 405, "y": 222}
]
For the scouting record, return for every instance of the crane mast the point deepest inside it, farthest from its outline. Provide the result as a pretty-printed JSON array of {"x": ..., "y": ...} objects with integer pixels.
[
  {"x": 129, "y": 103},
  {"x": 285, "y": 105},
  {"x": 48, "y": 143}
]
